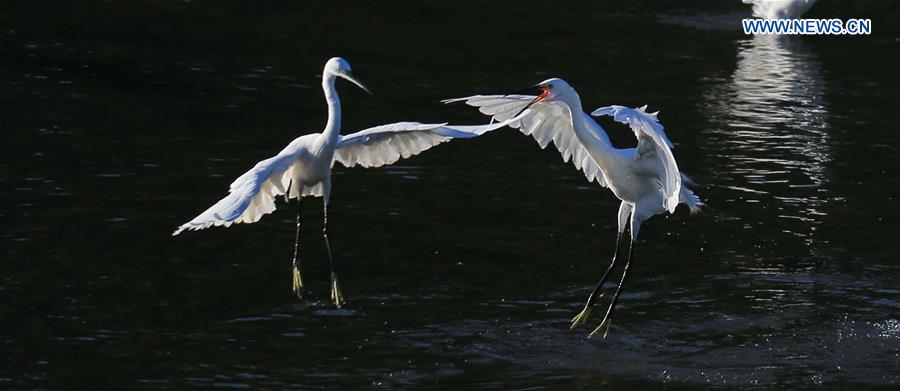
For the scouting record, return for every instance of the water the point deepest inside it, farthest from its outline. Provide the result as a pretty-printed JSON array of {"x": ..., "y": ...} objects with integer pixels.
[{"x": 463, "y": 265}]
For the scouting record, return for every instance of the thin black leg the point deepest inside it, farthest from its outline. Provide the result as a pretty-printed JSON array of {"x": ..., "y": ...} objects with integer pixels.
[
  {"x": 336, "y": 296},
  {"x": 583, "y": 315},
  {"x": 612, "y": 306},
  {"x": 298, "y": 282}
]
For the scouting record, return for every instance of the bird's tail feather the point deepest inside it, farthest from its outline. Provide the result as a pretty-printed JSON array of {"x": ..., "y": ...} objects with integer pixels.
[
  {"x": 690, "y": 199},
  {"x": 697, "y": 208}
]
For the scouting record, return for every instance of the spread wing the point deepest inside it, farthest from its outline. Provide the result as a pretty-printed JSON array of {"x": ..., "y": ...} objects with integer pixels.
[
  {"x": 252, "y": 195},
  {"x": 545, "y": 121},
  {"x": 652, "y": 141},
  {"x": 386, "y": 144}
]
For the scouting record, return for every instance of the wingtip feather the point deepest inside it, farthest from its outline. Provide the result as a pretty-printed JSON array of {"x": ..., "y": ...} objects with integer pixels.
[
  {"x": 454, "y": 100},
  {"x": 697, "y": 208}
]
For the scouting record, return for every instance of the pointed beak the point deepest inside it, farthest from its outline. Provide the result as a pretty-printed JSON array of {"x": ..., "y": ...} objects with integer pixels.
[
  {"x": 533, "y": 90},
  {"x": 536, "y": 89},
  {"x": 354, "y": 80}
]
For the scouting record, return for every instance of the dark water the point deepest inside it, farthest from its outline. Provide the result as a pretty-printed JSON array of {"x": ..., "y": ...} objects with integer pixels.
[{"x": 462, "y": 266}]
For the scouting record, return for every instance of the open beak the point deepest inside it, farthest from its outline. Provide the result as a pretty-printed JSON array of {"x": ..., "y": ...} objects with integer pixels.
[
  {"x": 536, "y": 89},
  {"x": 533, "y": 90},
  {"x": 350, "y": 78}
]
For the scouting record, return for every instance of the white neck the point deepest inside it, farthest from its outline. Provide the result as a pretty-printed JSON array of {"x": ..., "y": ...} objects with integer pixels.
[
  {"x": 582, "y": 123},
  {"x": 589, "y": 132},
  {"x": 333, "y": 127}
]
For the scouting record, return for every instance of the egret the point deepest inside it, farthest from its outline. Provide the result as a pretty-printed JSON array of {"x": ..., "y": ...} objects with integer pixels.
[
  {"x": 303, "y": 168},
  {"x": 779, "y": 9},
  {"x": 646, "y": 178}
]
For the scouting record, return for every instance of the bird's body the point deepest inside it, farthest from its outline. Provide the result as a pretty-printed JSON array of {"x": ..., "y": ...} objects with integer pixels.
[
  {"x": 646, "y": 178},
  {"x": 779, "y": 9},
  {"x": 303, "y": 168},
  {"x": 632, "y": 174}
]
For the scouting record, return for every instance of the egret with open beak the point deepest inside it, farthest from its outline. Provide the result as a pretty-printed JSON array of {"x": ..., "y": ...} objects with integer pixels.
[{"x": 645, "y": 178}]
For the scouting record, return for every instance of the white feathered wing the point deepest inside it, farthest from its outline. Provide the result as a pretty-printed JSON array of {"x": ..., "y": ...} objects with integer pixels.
[
  {"x": 652, "y": 139},
  {"x": 545, "y": 121},
  {"x": 253, "y": 194}
]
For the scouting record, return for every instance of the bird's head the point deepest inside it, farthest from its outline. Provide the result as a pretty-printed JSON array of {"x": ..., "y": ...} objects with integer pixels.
[
  {"x": 339, "y": 67},
  {"x": 553, "y": 89},
  {"x": 549, "y": 90}
]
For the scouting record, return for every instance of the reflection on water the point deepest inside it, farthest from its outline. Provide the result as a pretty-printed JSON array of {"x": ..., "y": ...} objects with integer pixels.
[
  {"x": 771, "y": 135},
  {"x": 773, "y": 149}
]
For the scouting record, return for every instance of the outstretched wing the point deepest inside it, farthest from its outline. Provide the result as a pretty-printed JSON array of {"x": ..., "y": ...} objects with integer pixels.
[
  {"x": 545, "y": 121},
  {"x": 252, "y": 195},
  {"x": 386, "y": 144},
  {"x": 652, "y": 140}
]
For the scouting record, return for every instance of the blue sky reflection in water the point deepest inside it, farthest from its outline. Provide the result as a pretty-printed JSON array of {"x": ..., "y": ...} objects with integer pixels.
[{"x": 462, "y": 266}]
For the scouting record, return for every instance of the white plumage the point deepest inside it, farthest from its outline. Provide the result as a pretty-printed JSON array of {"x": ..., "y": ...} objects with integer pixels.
[
  {"x": 549, "y": 121},
  {"x": 303, "y": 168},
  {"x": 645, "y": 178},
  {"x": 253, "y": 194},
  {"x": 652, "y": 140},
  {"x": 375, "y": 147}
]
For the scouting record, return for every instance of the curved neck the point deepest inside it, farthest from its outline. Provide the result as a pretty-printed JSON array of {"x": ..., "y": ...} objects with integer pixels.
[
  {"x": 333, "y": 127},
  {"x": 573, "y": 102},
  {"x": 589, "y": 132}
]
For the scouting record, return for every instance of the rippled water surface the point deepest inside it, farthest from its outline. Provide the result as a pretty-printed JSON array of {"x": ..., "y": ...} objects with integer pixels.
[{"x": 462, "y": 266}]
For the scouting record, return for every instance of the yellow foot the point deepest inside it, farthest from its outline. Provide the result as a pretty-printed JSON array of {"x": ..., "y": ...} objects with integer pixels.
[
  {"x": 582, "y": 317},
  {"x": 298, "y": 282},
  {"x": 336, "y": 296},
  {"x": 606, "y": 323}
]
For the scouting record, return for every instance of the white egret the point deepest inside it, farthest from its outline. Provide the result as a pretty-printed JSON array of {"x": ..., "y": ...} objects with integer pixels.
[
  {"x": 779, "y": 9},
  {"x": 646, "y": 178},
  {"x": 303, "y": 168}
]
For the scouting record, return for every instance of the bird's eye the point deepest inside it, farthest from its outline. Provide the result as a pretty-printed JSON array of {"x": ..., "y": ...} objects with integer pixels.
[{"x": 550, "y": 85}]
